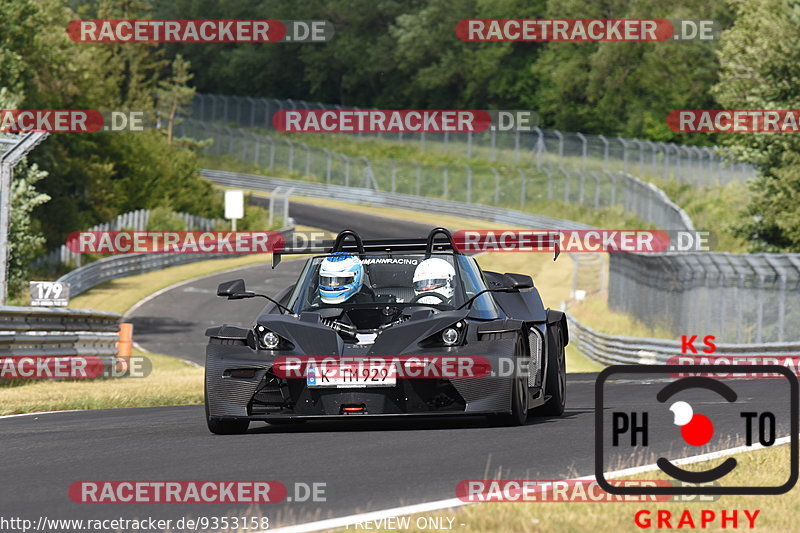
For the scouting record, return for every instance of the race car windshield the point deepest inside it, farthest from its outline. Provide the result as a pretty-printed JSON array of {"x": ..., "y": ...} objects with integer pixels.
[{"x": 386, "y": 279}]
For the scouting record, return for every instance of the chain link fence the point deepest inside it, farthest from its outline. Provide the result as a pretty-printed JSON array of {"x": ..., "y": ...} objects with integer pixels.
[
  {"x": 501, "y": 186},
  {"x": 540, "y": 148},
  {"x": 740, "y": 298},
  {"x": 744, "y": 298}
]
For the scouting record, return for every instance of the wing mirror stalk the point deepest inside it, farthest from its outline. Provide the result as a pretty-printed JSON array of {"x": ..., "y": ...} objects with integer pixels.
[{"x": 236, "y": 290}]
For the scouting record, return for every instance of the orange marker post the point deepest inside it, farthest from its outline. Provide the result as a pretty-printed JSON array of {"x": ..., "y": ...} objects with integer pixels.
[{"x": 124, "y": 345}]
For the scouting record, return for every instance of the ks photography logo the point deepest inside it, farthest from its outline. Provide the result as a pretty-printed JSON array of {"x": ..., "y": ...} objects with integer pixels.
[{"x": 645, "y": 410}]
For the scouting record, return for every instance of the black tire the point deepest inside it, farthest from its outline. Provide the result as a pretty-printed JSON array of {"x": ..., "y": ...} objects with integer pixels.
[
  {"x": 224, "y": 426},
  {"x": 556, "y": 385},
  {"x": 519, "y": 396}
]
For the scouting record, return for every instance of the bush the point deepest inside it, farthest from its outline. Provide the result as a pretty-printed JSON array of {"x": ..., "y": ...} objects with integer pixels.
[
  {"x": 164, "y": 219},
  {"x": 256, "y": 218},
  {"x": 25, "y": 241}
]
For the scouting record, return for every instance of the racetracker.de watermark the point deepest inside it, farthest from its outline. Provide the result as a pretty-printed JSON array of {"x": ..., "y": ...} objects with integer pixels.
[
  {"x": 73, "y": 120},
  {"x": 72, "y": 367},
  {"x": 586, "y": 30},
  {"x": 727, "y": 365},
  {"x": 734, "y": 121},
  {"x": 403, "y": 120},
  {"x": 560, "y": 491},
  {"x": 379, "y": 368},
  {"x": 175, "y": 242},
  {"x": 589, "y": 241},
  {"x": 180, "y": 492},
  {"x": 200, "y": 31}
]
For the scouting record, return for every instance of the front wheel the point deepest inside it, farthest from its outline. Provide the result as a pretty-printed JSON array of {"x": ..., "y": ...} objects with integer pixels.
[{"x": 556, "y": 386}]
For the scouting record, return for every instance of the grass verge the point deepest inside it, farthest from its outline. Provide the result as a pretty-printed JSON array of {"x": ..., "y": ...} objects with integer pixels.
[
  {"x": 121, "y": 294},
  {"x": 761, "y": 467},
  {"x": 717, "y": 208},
  {"x": 594, "y": 312},
  {"x": 171, "y": 382},
  {"x": 174, "y": 382}
]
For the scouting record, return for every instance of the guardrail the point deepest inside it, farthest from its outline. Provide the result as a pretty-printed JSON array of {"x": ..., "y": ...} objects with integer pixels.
[
  {"x": 617, "y": 350},
  {"x": 36, "y": 331},
  {"x": 119, "y": 266},
  {"x": 747, "y": 298},
  {"x": 360, "y": 195},
  {"x": 603, "y": 348}
]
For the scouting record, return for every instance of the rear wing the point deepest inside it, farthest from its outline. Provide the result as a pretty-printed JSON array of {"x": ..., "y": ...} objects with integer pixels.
[{"x": 438, "y": 240}]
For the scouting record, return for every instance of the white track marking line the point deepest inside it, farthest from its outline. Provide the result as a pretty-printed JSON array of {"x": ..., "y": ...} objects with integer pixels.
[
  {"x": 344, "y": 521},
  {"x": 45, "y": 413}
]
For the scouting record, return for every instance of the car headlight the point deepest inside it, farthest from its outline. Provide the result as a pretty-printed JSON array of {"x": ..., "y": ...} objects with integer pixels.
[
  {"x": 450, "y": 336},
  {"x": 270, "y": 340}
]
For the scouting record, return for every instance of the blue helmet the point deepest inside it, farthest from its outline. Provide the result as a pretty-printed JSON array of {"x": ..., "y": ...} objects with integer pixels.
[{"x": 340, "y": 277}]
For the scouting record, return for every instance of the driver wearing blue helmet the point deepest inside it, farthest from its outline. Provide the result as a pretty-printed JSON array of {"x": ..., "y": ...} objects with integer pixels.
[{"x": 341, "y": 279}]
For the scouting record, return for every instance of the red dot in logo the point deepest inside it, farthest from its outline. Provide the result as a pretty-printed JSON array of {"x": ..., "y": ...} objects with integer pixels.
[{"x": 698, "y": 431}]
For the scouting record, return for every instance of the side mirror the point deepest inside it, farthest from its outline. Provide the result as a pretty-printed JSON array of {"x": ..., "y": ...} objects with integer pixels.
[
  {"x": 520, "y": 281},
  {"x": 231, "y": 288}
]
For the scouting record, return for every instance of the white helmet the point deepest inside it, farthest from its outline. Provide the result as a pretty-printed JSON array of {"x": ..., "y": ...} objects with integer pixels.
[{"x": 434, "y": 275}]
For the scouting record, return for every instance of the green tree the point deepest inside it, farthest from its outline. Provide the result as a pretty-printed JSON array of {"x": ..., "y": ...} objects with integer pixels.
[
  {"x": 25, "y": 242},
  {"x": 174, "y": 94},
  {"x": 760, "y": 69},
  {"x": 93, "y": 177},
  {"x": 628, "y": 88}
]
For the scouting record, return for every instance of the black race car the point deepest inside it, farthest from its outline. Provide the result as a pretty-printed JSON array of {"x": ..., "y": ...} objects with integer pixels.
[{"x": 373, "y": 328}]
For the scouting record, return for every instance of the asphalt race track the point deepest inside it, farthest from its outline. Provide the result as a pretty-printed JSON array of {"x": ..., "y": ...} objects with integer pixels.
[{"x": 366, "y": 465}]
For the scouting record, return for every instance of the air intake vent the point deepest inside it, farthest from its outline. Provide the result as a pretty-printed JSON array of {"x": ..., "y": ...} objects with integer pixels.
[
  {"x": 271, "y": 392},
  {"x": 535, "y": 366}
]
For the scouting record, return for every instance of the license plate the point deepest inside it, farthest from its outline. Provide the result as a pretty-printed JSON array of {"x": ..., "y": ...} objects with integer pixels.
[{"x": 351, "y": 376}]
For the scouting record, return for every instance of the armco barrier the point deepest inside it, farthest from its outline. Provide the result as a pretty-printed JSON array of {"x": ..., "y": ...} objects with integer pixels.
[
  {"x": 119, "y": 266},
  {"x": 603, "y": 348},
  {"x": 745, "y": 298},
  {"x": 359, "y": 195},
  {"x": 617, "y": 350},
  {"x": 130, "y": 221},
  {"x": 36, "y": 331}
]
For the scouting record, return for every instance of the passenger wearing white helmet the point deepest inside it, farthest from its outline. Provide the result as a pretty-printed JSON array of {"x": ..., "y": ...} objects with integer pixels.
[
  {"x": 341, "y": 278},
  {"x": 434, "y": 279}
]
